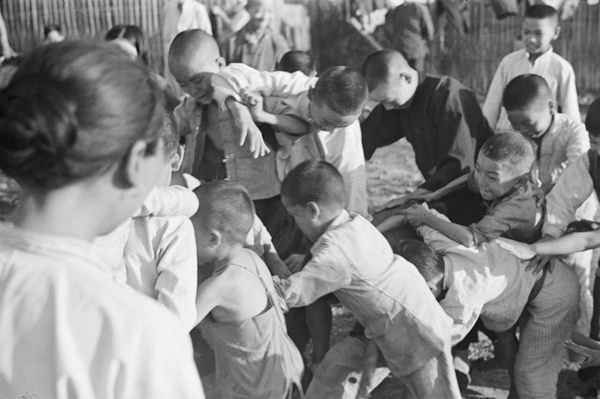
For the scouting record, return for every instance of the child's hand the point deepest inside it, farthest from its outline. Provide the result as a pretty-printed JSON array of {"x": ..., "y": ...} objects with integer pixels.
[
  {"x": 255, "y": 103},
  {"x": 416, "y": 215},
  {"x": 248, "y": 131},
  {"x": 294, "y": 262},
  {"x": 518, "y": 249},
  {"x": 280, "y": 269}
]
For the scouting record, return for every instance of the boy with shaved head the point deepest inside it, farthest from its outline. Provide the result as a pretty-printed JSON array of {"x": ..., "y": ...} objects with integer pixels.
[
  {"x": 439, "y": 117},
  {"x": 558, "y": 139},
  {"x": 207, "y": 131},
  {"x": 540, "y": 28}
]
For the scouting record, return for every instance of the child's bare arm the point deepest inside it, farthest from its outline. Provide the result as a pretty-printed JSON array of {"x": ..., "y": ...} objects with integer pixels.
[
  {"x": 417, "y": 216},
  {"x": 285, "y": 123},
  {"x": 276, "y": 266},
  {"x": 565, "y": 245},
  {"x": 208, "y": 297},
  {"x": 248, "y": 130}
]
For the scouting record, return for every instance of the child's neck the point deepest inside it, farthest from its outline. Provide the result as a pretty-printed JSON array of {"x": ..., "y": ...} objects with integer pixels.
[
  {"x": 228, "y": 255},
  {"x": 534, "y": 56}
]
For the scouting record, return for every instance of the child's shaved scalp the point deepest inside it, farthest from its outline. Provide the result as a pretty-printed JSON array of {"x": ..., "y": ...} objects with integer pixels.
[
  {"x": 428, "y": 262},
  {"x": 524, "y": 91},
  {"x": 342, "y": 89},
  {"x": 314, "y": 181},
  {"x": 542, "y": 11},
  {"x": 297, "y": 60},
  {"x": 510, "y": 148},
  {"x": 193, "y": 45},
  {"x": 380, "y": 65},
  {"x": 227, "y": 208}
]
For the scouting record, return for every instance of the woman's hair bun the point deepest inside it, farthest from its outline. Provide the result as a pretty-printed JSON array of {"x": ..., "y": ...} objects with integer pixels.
[{"x": 72, "y": 110}]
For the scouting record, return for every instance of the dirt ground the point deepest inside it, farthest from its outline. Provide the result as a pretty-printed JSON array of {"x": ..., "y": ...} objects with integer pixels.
[{"x": 390, "y": 173}]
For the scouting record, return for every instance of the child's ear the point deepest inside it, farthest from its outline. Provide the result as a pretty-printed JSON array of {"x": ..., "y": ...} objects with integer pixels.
[
  {"x": 313, "y": 209},
  {"x": 132, "y": 169},
  {"x": 432, "y": 286},
  {"x": 221, "y": 63},
  {"x": 310, "y": 93},
  {"x": 177, "y": 158},
  {"x": 556, "y": 32},
  {"x": 215, "y": 238},
  {"x": 553, "y": 107}
]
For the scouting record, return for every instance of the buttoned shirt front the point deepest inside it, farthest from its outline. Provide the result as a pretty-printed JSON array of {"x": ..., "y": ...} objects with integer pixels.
[{"x": 560, "y": 146}]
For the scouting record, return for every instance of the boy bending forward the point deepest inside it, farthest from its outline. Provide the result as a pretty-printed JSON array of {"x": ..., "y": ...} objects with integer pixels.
[{"x": 384, "y": 292}]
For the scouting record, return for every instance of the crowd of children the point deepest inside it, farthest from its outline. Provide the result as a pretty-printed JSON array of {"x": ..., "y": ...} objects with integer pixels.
[{"x": 241, "y": 210}]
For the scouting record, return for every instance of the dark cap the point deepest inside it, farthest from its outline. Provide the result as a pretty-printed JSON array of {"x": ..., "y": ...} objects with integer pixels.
[{"x": 592, "y": 119}]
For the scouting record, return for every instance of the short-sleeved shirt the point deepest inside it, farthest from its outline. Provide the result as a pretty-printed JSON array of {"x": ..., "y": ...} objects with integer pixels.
[
  {"x": 517, "y": 215},
  {"x": 443, "y": 123}
]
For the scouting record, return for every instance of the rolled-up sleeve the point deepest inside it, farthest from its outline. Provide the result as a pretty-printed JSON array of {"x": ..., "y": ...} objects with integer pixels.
[{"x": 326, "y": 272}]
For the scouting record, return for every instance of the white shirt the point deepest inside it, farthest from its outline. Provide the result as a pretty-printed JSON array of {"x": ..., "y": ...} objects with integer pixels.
[
  {"x": 158, "y": 250},
  {"x": 342, "y": 147},
  {"x": 484, "y": 281},
  {"x": 561, "y": 145},
  {"x": 574, "y": 187},
  {"x": 67, "y": 330},
  {"x": 557, "y": 72}
]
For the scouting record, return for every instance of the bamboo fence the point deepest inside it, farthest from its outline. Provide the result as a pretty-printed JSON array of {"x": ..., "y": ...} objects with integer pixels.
[{"x": 472, "y": 58}]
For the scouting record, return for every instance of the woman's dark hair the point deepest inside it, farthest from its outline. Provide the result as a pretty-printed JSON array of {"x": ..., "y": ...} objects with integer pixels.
[
  {"x": 73, "y": 110},
  {"x": 133, "y": 35}
]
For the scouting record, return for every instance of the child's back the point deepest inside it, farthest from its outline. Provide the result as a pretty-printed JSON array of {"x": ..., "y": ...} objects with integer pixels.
[
  {"x": 254, "y": 355},
  {"x": 383, "y": 291}
]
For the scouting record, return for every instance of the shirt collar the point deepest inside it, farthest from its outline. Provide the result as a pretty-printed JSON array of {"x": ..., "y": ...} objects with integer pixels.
[
  {"x": 546, "y": 54},
  {"x": 68, "y": 247}
]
